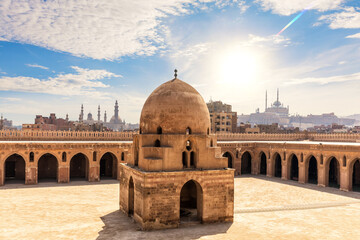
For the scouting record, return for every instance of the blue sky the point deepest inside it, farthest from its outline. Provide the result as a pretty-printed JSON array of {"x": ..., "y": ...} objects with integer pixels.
[{"x": 56, "y": 55}]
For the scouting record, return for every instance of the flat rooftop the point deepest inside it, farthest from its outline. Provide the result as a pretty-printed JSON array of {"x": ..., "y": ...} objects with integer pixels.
[
  {"x": 265, "y": 208},
  {"x": 296, "y": 142}
]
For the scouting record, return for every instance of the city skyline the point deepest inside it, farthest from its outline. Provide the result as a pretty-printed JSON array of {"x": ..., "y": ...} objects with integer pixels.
[{"x": 228, "y": 50}]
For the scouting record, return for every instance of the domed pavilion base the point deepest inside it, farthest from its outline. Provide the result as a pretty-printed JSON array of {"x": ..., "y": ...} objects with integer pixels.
[{"x": 158, "y": 200}]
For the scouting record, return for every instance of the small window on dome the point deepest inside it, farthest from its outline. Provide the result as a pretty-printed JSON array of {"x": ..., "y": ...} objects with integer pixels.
[
  {"x": 208, "y": 131},
  {"x": 159, "y": 130},
  {"x": 157, "y": 143},
  {"x": 188, "y": 131},
  {"x": 188, "y": 145}
]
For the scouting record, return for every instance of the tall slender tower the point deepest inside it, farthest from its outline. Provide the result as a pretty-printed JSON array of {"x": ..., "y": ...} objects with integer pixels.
[
  {"x": 105, "y": 117},
  {"x": 81, "y": 116},
  {"x": 265, "y": 100},
  {"x": 277, "y": 98},
  {"x": 116, "y": 112},
  {"x": 98, "y": 113},
  {"x": 67, "y": 117}
]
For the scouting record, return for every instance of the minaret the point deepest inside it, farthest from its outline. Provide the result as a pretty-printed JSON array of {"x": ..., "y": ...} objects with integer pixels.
[
  {"x": 265, "y": 100},
  {"x": 81, "y": 116},
  {"x": 116, "y": 111},
  {"x": 67, "y": 117},
  {"x": 105, "y": 117},
  {"x": 277, "y": 98},
  {"x": 99, "y": 113}
]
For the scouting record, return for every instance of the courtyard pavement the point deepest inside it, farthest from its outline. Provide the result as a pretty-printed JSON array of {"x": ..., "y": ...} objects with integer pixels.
[{"x": 265, "y": 208}]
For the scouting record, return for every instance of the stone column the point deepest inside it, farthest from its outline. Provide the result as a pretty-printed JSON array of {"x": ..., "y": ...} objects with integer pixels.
[
  {"x": 284, "y": 170},
  {"x": 321, "y": 175},
  {"x": 2, "y": 173},
  {"x": 302, "y": 172},
  {"x": 344, "y": 179},
  {"x": 94, "y": 173},
  {"x": 63, "y": 174},
  {"x": 30, "y": 172},
  {"x": 269, "y": 168}
]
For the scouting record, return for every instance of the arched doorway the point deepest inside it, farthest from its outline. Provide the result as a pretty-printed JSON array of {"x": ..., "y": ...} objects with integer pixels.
[
  {"x": 277, "y": 170},
  {"x": 229, "y": 157},
  {"x": 79, "y": 167},
  {"x": 108, "y": 166},
  {"x": 14, "y": 169},
  {"x": 131, "y": 197},
  {"x": 356, "y": 176},
  {"x": 246, "y": 163},
  {"x": 312, "y": 171},
  {"x": 47, "y": 168},
  {"x": 191, "y": 202},
  {"x": 263, "y": 164},
  {"x": 294, "y": 168},
  {"x": 334, "y": 173}
]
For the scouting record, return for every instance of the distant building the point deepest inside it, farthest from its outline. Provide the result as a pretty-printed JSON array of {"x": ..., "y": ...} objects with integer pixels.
[
  {"x": 222, "y": 118},
  {"x": 59, "y": 123},
  {"x": 115, "y": 122},
  {"x": 6, "y": 124}
]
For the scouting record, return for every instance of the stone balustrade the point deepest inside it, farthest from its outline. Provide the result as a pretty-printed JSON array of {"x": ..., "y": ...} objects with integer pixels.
[{"x": 16, "y": 135}]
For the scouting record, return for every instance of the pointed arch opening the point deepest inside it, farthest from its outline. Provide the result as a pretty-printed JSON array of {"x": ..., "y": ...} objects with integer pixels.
[
  {"x": 278, "y": 167},
  {"x": 131, "y": 197},
  {"x": 356, "y": 176},
  {"x": 246, "y": 163},
  {"x": 229, "y": 157},
  {"x": 334, "y": 173},
  {"x": 263, "y": 164},
  {"x": 159, "y": 130},
  {"x": 191, "y": 202},
  {"x": 79, "y": 167},
  {"x": 157, "y": 143},
  {"x": 294, "y": 168},
  {"x": 14, "y": 169},
  {"x": 184, "y": 159},
  {"x": 188, "y": 145},
  {"x": 192, "y": 159},
  {"x": 108, "y": 166},
  {"x": 47, "y": 168},
  {"x": 312, "y": 170},
  {"x": 188, "y": 130}
]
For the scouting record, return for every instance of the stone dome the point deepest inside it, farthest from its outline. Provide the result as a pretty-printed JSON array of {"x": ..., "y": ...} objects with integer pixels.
[{"x": 175, "y": 106}]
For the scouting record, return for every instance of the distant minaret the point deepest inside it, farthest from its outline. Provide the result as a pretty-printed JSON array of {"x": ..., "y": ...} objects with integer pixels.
[
  {"x": 99, "y": 113},
  {"x": 81, "y": 116},
  {"x": 265, "y": 100},
  {"x": 116, "y": 111},
  {"x": 67, "y": 117},
  {"x": 105, "y": 117},
  {"x": 277, "y": 99}
]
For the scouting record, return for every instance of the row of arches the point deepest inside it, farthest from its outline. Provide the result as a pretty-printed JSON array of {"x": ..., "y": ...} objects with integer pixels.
[
  {"x": 332, "y": 168},
  {"x": 48, "y": 167}
]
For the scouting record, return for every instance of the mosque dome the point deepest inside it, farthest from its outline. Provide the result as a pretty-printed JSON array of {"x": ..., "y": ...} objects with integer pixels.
[{"x": 175, "y": 106}]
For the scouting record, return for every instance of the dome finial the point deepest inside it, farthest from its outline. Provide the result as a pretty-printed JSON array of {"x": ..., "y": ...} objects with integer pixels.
[{"x": 175, "y": 71}]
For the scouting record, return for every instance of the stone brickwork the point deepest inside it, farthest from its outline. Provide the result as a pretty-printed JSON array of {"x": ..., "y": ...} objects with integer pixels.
[{"x": 157, "y": 195}]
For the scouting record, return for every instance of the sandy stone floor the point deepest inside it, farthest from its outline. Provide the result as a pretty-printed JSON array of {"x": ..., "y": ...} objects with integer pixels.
[{"x": 265, "y": 208}]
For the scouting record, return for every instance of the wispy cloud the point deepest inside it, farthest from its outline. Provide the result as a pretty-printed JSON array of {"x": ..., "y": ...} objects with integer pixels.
[
  {"x": 325, "y": 80},
  {"x": 357, "y": 35},
  {"x": 287, "y": 8},
  {"x": 83, "y": 82},
  {"x": 85, "y": 28},
  {"x": 37, "y": 66},
  {"x": 348, "y": 18}
]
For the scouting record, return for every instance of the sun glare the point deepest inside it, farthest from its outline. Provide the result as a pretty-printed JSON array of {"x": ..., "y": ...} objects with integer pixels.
[{"x": 238, "y": 66}]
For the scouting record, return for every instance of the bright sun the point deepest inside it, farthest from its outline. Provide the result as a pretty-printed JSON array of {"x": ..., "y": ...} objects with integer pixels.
[{"x": 238, "y": 66}]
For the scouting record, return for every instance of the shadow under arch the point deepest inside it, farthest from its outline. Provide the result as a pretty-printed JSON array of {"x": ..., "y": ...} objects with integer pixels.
[
  {"x": 230, "y": 158},
  {"x": 311, "y": 170},
  {"x": 48, "y": 165},
  {"x": 246, "y": 160},
  {"x": 108, "y": 166},
  {"x": 277, "y": 165},
  {"x": 14, "y": 169},
  {"x": 191, "y": 202},
  {"x": 354, "y": 175},
  {"x": 293, "y": 167},
  {"x": 263, "y": 163},
  {"x": 79, "y": 167},
  {"x": 332, "y": 170}
]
